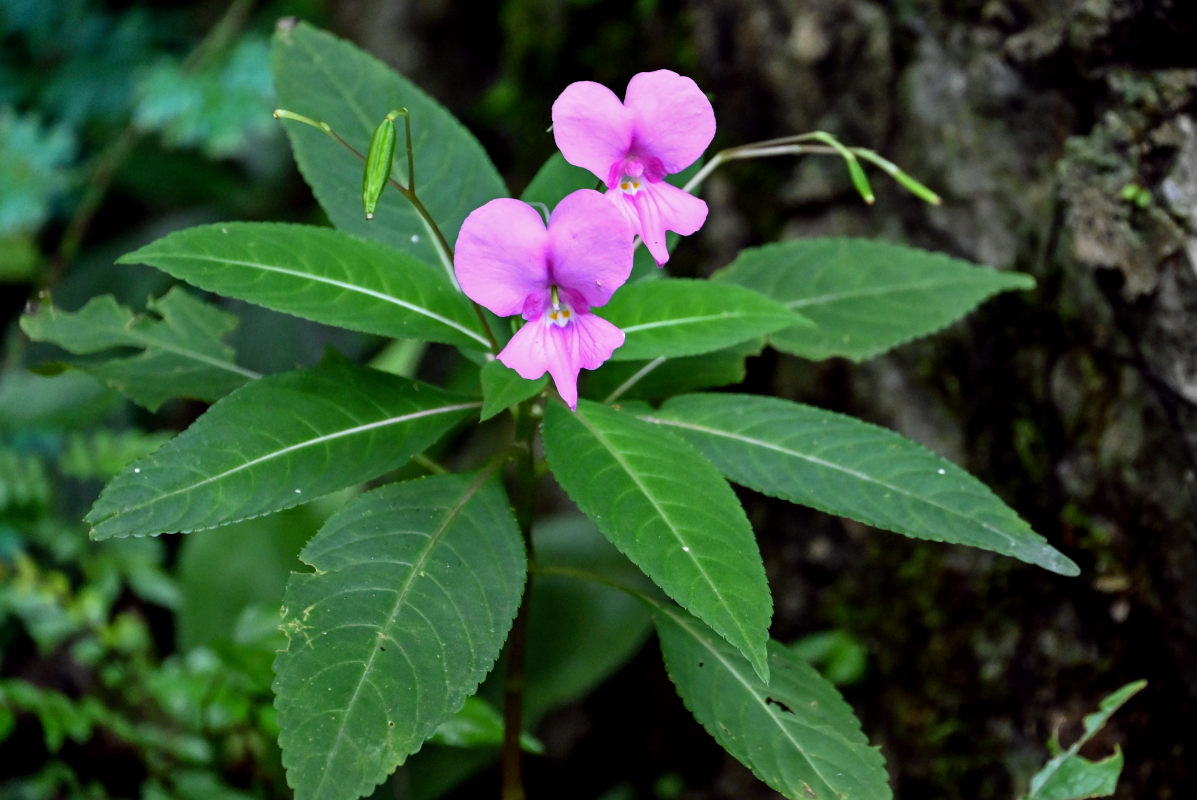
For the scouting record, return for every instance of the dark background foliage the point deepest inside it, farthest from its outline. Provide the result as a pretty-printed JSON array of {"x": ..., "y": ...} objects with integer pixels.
[{"x": 1063, "y": 139}]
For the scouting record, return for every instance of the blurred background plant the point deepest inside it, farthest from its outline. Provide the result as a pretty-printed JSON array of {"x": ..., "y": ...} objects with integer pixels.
[{"x": 122, "y": 672}]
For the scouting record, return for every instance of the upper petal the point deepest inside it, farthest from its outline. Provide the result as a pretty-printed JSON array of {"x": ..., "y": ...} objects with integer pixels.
[
  {"x": 591, "y": 128},
  {"x": 590, "y": 247},
  {"x": 500, "y": 255},
  {"x": 673, "y": 119}
]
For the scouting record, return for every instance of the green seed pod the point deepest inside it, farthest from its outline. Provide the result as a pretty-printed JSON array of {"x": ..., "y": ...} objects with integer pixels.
[
  {"x": 857, "y": 173},
  {"x": 378, "y": 164},
  {"x": 917, "y": 189}
]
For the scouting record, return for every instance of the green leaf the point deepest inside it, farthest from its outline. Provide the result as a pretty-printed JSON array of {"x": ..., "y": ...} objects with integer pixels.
[
  {"x": 326, "y": 78},
  {"x": 217, "y": 589},
  {"x": 555, "y": 179},
  {"x": 681, "y": 317},
  {"x": 667, "y": 509},
  {"x": 579, "y": 631},
  {"x": 1069, "y": 776},
  {"x": 794, "y": 732},
  {"x": 847, "y": 467},
  {"x": 416, "y": 586},
  {"x": 864, "y": 297},
  {"x": 321, "y": 275},
  {"x": 479, "y": 724},
  {"x": 665, "y": 377},
  {"x": 275, "y": 443},
  {"x": 837, "y": 654},
  {"x": 182, "y": 353},
  {"x": 502, "y": 388}
]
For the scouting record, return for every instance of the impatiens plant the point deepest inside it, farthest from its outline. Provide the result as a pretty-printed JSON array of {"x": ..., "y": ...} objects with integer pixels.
[{"x": 443, "y": 557}]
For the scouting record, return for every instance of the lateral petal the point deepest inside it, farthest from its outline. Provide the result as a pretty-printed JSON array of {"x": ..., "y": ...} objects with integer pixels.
[
  {"x": 500, "y": 255},
  {"x": 590, "y": 248}
]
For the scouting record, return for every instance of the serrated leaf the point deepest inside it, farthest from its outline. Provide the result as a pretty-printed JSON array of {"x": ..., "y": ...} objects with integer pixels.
[
  {"x": 502, "y": 388},
  {"x": 794, "y": 732},
  {"x": 1079, "y": 778},
  {"x": 847, "y": 467},
  {"x": 318, "y": 274},
  {"x": 665, "y": 377},
  {"x": 667, "y": 509},
  {"x": 681, "y": 317},
  {"x": 864, "y": 296},
  {"x": 1069, "y": 776},
  {"x": 416, "y": 586},
  {"x": 182, "y": 352},
  {"x": 275, "y": 443},
  {"x": 329, "y": 79}
]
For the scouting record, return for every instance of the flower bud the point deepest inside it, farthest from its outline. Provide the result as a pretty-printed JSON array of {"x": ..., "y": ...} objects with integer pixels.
[{"x": 378, "y": 164}]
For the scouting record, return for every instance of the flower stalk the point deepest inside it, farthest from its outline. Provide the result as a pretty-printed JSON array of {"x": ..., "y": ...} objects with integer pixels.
[{"x": 409, "y": 192}]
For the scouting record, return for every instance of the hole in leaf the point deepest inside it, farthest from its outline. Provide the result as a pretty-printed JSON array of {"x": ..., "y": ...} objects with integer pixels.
[{"x": 769, "y": 701}]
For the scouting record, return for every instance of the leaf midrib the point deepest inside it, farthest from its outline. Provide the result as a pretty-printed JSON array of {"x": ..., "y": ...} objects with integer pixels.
[
  {"x": 405, "y": 587},
  {"x": 143, "y": 338},
  {"x": 871, "y": 291},
  {"x": 661, "y": 513},
  {"x": 295, "y": 447},
  {"x": 705, "y": 318},
  {"x": 731, "y": 668},
  {"x": 213, "y": 259},
  {"x": 832, "y": 466}
]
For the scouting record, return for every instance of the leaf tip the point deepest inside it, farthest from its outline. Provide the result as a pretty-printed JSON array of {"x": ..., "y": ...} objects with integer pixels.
[
  {"x": 285, "y": 25},
  {"x": 1052, "y": 559}
]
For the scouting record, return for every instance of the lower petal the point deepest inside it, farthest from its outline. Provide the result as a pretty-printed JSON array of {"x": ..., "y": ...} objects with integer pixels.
[
  {"x": 526, "y": 351},
  {"x": 661, "y": 207},
  {"x": 585, "y": 343}
]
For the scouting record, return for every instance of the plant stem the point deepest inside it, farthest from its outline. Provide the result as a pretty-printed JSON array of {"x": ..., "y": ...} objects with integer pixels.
[
  {"x": 511, "y": 766},
  {"x": 442, "y": 245},
  {"x": 514, "y": 678}
]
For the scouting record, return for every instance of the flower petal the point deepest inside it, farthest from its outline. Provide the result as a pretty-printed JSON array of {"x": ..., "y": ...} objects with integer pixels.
[
  {"x": 660, "y": 207},
  {"x": 586, "y": 342},
  {"x": 525, "y": 351},
  {"x": 673, "y": 119},
  {"x": 500, "y": 255},
  {"x": 592, "y": 129},
  {"x": 590, "y": 248}
]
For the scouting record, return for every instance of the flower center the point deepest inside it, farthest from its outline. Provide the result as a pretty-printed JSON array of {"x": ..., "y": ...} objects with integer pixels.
[
  {"x": 560, "y": 314},
  {"x": 630, "y": 185}
]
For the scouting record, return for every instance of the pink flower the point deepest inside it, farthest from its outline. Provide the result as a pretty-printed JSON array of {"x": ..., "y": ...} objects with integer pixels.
[
  {"x": 507, "y": 261},
  {"x": 662, "y": 126}
]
